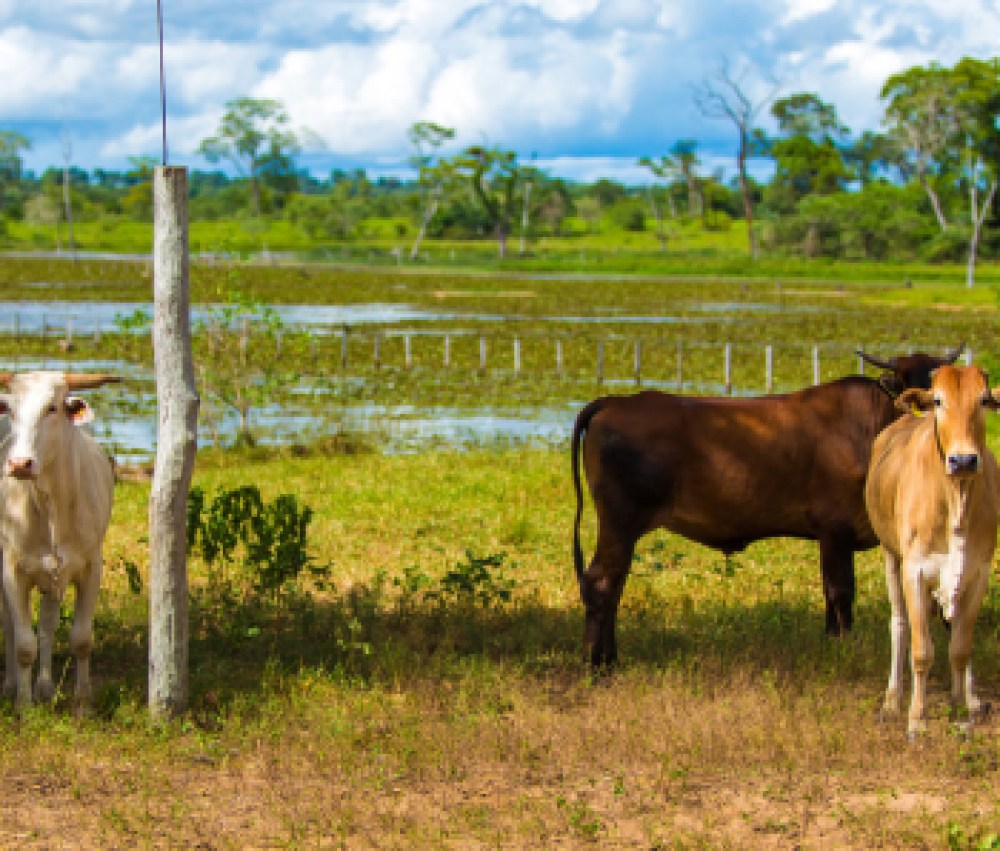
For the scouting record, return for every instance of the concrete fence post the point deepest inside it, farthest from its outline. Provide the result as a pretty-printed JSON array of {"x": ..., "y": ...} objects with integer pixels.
[{"x": 176, "y": 443}]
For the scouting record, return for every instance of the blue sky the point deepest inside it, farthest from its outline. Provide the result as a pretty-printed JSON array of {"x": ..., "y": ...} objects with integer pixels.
[{"x": 584, "y": 87}]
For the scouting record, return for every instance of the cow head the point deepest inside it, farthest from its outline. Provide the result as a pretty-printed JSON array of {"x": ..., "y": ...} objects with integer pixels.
[
  {"x": 41, "y": 409},
  {"x": 909, "y": 370},
  {"x": 959, "y": 398}
]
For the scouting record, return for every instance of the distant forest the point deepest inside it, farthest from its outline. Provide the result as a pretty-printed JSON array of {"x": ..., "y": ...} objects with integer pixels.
[{"x": 923, "y": 187}]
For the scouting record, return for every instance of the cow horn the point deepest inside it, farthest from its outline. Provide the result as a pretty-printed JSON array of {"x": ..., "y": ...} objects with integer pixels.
[
  {"x": 874, "y": 361},
  {"x": 86, "y": 381},
  {"x": 952, "y": 356}
]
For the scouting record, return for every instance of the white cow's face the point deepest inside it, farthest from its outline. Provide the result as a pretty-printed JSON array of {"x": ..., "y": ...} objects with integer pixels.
[{"x": 40, "y": 410}]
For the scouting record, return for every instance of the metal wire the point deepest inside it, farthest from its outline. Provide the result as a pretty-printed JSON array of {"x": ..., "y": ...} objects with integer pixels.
[{"x": 163, "y": 82}]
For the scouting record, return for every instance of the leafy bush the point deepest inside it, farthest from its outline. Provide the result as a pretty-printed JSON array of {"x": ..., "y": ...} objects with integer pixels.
[{"x": 272, "y": 536}]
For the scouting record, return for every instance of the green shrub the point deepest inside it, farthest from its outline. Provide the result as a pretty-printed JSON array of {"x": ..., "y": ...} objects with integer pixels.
[{"x": 272, "y": 536}]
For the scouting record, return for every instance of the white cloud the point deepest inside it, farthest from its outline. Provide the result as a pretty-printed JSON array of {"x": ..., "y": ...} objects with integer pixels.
[
  {"x": 39, "y": 73},
  {"x": 564, "y": 11},
  {"x": 608, "y": 78},
  {"x": 798, "y": 10}
]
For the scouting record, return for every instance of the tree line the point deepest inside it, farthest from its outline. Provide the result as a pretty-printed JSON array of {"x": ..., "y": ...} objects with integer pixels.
[{"x": 921, "y": 187}]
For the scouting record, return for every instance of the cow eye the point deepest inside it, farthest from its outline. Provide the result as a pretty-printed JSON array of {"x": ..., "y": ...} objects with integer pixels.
[
  {"x": 51, "y": 409},
  {"x": 938, "y": 402}
]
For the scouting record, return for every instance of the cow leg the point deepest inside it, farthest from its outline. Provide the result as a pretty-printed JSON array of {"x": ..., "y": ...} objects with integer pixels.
[
  {"x": 601, "y": 590},
  {"x": 898, "y": 634},
  {"x": 48, "y": 620},
  {"x": 17, "y": 592},
  {"x": 10, "y": 657},
  {"x": 921, "y": 648},
  {"x": 81, "y": 634},
  {"x": 960, "y": 649},
  {"x": 836, "y": 561}
]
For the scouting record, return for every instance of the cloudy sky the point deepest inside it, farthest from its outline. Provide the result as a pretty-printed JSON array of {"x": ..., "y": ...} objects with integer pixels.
[{"x": 583, "y": 86}]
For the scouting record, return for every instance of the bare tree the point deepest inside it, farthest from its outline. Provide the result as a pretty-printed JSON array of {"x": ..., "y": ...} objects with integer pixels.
[
  {"x": 434, "y": 176},
  {"x": 722, "y": 95}
]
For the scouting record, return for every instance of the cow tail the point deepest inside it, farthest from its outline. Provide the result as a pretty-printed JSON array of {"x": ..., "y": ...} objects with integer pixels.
[{"x": 579, "y": 427}]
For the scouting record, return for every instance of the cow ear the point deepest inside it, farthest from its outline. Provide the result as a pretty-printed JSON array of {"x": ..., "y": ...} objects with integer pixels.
[
  {"x": 80, "y": 413},
  {"x": 891, "y": 383},
  {"x": 915, "y": 401}
]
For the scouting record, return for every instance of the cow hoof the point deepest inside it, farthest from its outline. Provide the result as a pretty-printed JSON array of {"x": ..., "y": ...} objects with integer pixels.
[
  {"x": 890, "y": 706},
  {"x": 44, "y": 691}
]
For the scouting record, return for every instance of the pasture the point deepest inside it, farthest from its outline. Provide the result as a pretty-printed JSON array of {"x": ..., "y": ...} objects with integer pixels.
[{"x": 423, "y": 685}]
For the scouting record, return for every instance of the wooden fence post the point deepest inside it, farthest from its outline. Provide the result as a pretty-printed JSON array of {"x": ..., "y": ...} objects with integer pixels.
[
  {"x": 343, "y": 346},
  {"x": 680, "y": 366},
  {"x": 482, "y": 354},
  {"x": 447, "y": 350},
  {"x": 637, "y": 362},
  {"x": 408, "y": 352},
  {"x": 768, "y": 369},
  {"x": 728, "y": 368},
  {"x": 559, "y": 357},
  {"x": 377, "y": 356},
  {"x": 244, "y": 340},
  {"x": 815, "y": 364},
  {"x": 600, "y": 361},
  {"x": 177, "y": 430}
]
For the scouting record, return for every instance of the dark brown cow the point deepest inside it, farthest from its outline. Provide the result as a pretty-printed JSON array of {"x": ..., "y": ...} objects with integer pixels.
[{"x": 727, "y": 472}]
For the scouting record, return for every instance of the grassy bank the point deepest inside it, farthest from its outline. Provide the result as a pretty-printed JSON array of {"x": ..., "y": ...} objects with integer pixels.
[{"x": 402, "y": 699}]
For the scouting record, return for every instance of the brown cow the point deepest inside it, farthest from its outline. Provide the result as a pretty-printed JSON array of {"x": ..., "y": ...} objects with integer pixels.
[
  {"x": 931, "y": 496},
  {"x": 727, "y": 472}
]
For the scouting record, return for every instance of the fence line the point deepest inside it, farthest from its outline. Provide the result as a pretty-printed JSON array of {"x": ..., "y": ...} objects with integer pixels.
[{"x": 647, "y": 362}]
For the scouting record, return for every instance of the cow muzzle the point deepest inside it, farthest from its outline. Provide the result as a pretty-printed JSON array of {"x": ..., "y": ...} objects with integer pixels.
[
  {"x": 962, "y": 464},
  {"x": 22, "y": 468}
]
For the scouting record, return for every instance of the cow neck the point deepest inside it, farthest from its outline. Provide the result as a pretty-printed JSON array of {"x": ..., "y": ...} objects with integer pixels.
[{"x": 62, "y": 473}]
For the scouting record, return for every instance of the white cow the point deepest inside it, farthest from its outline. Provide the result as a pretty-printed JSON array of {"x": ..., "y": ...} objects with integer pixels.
[
  {"x": 56, "y": 487},
  {"x": 931, "y": 495}
]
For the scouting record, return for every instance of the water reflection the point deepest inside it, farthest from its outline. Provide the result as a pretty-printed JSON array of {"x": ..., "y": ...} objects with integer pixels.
[
  {"x": 88, "y": 317},
  {"x": 394, "y": 429}
]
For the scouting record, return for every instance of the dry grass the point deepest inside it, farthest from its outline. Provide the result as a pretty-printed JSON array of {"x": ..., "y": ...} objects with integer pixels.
[{"x": 369, "y": 716}]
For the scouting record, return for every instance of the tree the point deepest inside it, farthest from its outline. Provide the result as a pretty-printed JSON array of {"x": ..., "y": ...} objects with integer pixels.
[
  {"x": 921, "y": 119},
  {"x": 945, "y": 120},
  {"x": 496, "y": 180},
  {"x": 666, "y": 170},
  {"x": 433, "y": 176},
  {"x": 870, "y": 154},
  {"x": 138, "y": 200},
  {"x": 11, "y": 146},
  {"x": 253, "y": 137},
  {"x": 684, "y": 153},
  {"x": 806, "y": 150},
  {"x": 722, "y": 96},
  {"x": 243, "y": 367},
  {"x": 977, "y": 94}
]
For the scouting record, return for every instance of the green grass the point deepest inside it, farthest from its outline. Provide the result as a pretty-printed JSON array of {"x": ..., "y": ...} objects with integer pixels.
[
  {"x": 386, "y": 704},
  {"x": 384, "y": 710},
  {"x": 598, "y": 248}
]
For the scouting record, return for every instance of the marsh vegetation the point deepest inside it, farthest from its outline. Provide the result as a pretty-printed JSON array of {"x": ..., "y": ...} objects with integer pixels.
[{"x": 417, "y": 680}]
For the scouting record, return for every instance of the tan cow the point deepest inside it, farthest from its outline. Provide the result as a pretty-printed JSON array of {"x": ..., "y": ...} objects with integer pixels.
[
  {"x": 56, "y": 488},
  {"x": 931, "y": 497}
]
